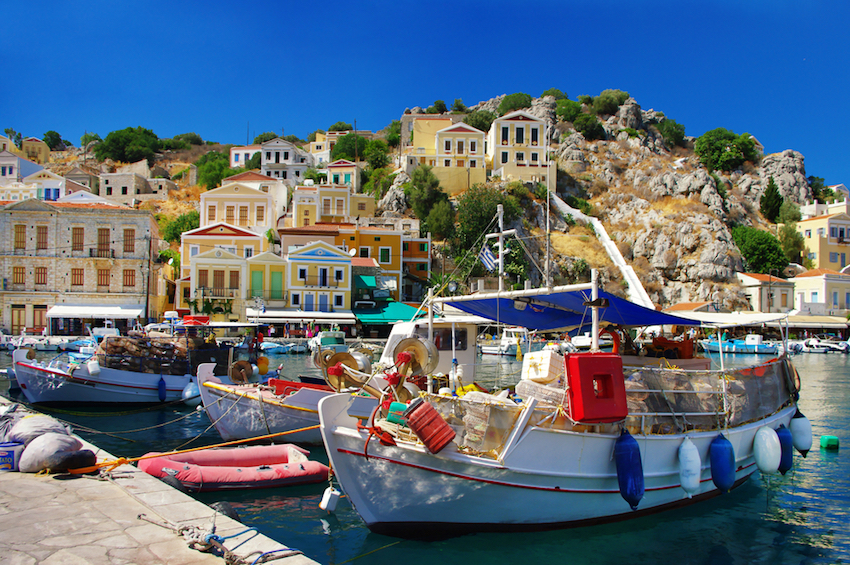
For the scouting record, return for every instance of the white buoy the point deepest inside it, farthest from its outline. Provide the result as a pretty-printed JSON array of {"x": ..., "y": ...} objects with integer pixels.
[
  {"x": 801, "y": 433},
  {"x": 690, "y": 467},
  {"x": 191, "y": 394},
  {"x": 329, "y": 499},
  {"x": 767, "y": 450}
]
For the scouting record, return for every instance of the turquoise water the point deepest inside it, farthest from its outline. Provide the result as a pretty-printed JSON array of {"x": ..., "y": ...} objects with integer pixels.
[{"x": 801, "y": 517}]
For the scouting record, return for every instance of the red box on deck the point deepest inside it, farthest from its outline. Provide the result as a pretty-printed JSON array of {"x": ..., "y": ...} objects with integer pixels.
[{"x": 596, "y": 387}]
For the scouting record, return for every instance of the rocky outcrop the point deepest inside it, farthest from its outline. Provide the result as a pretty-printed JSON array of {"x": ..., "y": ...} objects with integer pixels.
[{"x": 394, "y": 201}]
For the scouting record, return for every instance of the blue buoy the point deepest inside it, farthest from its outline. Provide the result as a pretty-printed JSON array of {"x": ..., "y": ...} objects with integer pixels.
[
  {"x": 629, "y": 468},
  {"x": 722, "y": 456},
  {"x": 787, "y": 443},
  {"x": 161, "y": 389}
]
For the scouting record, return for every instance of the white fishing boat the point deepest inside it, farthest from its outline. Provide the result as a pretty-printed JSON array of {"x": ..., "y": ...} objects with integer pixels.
[
  {"x": 512, "y": 339},
  {"x": 819, "y": 344},
  {"x": 594, "y": 442},
  {"x": 127, "y": 370},
  {"x": 328, "y": 339}
]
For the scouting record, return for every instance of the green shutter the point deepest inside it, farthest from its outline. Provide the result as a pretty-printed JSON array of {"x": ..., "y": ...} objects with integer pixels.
[
  {"x": 256, "y": 283},
  {"x": 277, "y": 285}
]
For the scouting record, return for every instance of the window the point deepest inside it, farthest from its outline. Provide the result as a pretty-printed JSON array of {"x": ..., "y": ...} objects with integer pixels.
[
  {"x": 236, "y": 157},
  {"x": 833, "y": 257},
  {"x": 520, "y": 135},
  {"x": 326, "y": 206},
  {"x": 229, "y": 214},
  {"x": 194, "y": 250},
  {"x": 421, "y": 267},
  {"x": 473, "y": 146},
  {"x": 286, "y": 155},
  {"x": 336, "y": 179},
  {"x": 505, "y": 131},
  {"x": 203, "y": 278},
  {"x": 814, "y": 296},
  {"x": 296, "y": 299},
  {"x": 834, "y": 299},
  {"x": 77, "y": 239},
  {"x": 218, "y": 279},
  {"x": 41, "y": 237},
  {"x": 124, "y": 191},
  {"x": 338, "y": 300},
  {"x": 129, "y": 240},
  {"x": 302, "y": 273},
  {"x": 448, "y": 145},
  {"x": 261, "y": 215},
  {"x": 460, "y": 146},
  {"x": 210, "y": 214},
  {"x": 338, "y": 273},
  {"x": 340, "y": 206},
  {"x": 41, "y": 275},
  {"x": 447, "y": 162},
  {"x": 20, "y": 236},
  {"x": 77, "y": 277},
  {"x": 808, "y": 233},
  {"x": 103, "y": 277},
  {"x": 520, "y": 157},
  {"x": 423, "y": 247},
  {"x": 283, "y": 175},
  {"x": 102, "y": 242},
  {"x": 364, "y": 252},
  {"x": 473, "y": 163},
  {"x": 833, "y": 231},
  {"x": 361, "y": 206},
  {"x": 821, "y": 232},
  {"x": 384, "y": 255},
  {"x": 504, "y": 156},
  {"x": 109, "y": 191},
  {"x": 18, "y": 275},
  {"x": 129, "y": 278},
  {"x": 534, "y": 157},
  {"x": 243, "y": 215},
  {"x": 405, "y": 246},
  {"x": 460, "y": 163},
  {"x": 249, "y": 252},
  {"x": 534, "y": 136},
  {"x": 268, "y": 155}
]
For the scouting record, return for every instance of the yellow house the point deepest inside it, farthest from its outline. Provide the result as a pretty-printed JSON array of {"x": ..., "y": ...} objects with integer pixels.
[
  {"x": 423, "y": 149},
  {"x": 215, "y": 284},
  {"x": 454, "y": 151},
  {"x": 822, "y": 292},
  {"x": 239, "y": 205},
  {"x": 329, "y": 204},
  {"x": 362, "y": 205},
  {"x": 827, "y": 240},
  {"x": 516, "y": 147},
  {"x": 383, "y": 245},
  {"x": 345, "y": 172},
  {"x": 36, "y": 150},
  {"x": 318, "y": 278},
  {"x": 267, "y": 272}
]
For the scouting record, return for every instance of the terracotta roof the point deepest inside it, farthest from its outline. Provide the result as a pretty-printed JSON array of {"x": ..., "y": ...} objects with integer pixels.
[
  {"x": 686, "y": 306},
  {"x": 764, "y": 278},
  {"x": 248, "y": 175},
  {"x": 315, "y": 228},
  {"x": 819, "y": 272},
  {"x": 819, "y": 217},
  {"x": 363, "y": 262}
]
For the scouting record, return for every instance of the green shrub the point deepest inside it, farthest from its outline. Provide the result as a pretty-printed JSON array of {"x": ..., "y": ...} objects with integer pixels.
[
  {"x": 723, "y": 150},
  {"x": 515, "y": 101},
  {"x": 609, "y": 101},
  {"x": 585, "y": 99},
  {"x": 557, "y": 93},
  {"x": 589, "y": 126},
  {"x": 567, "y": 110},
  {"x": 672, "y": 132}
]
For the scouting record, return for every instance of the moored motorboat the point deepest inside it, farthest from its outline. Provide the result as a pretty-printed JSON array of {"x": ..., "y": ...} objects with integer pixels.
[
  {"x": 593, "y": 443},
  {"x": 259, "y": 466},
  {"x": 512, "y": 339},
  {"x": 752, "y": 344}
]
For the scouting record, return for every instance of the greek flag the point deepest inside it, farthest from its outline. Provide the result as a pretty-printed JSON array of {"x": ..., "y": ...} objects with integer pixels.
[{"x": 487, "y": 258}]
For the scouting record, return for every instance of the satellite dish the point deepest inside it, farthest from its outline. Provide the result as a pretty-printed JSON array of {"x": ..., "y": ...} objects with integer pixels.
[{"x": 352, "y": 252}]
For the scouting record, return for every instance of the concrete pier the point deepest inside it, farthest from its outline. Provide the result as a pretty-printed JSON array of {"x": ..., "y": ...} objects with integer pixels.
[{"x": 70, "y": 519}]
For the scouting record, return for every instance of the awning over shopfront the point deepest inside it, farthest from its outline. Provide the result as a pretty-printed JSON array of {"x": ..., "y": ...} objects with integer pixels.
[
  {"x": 364, "y": 281},
  {"x": 814, "y": 322},
  {"x": 92, "y": 311},
  {"x": 390, "y": 313},
  {"x": 295, "y": 316}
]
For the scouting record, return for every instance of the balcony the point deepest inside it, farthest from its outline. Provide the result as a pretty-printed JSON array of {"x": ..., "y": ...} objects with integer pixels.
[
  {"x": 102, "y": 253},
  {"x": 322, "y": 282},
  {"x": 208, "y": 292}
]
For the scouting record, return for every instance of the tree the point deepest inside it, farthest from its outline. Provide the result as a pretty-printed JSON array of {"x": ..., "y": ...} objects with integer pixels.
[
  {"x": 672, "y": 132},
  {"x": 585, "y": 99},
  {"x": 128, "y": 145},
  {"x": 315, "y": 176},
  {"x": 589, "y": 126},
  {"x": 609, "y": 101},
  {"x": 14, "y": 136},
  {"x": 423, "y": 193},
  {"x": 294, "y": 139},
  {"x": 255, "y": 162},
  {"x": 264, "y": 137},
  {"x": 567, "y": 110},
  {"x": 789, "y": 213},
  {"x": 377, "y": 154},
  {"x": 557, "y": 93},
  {"x": 54, "y": 141},
  {"x": 172, "y": 231},
  {"x": 459, "y": 107},
  {"x": 349, "y": 146},
  {"x": 394, "y": 133},
  {"x": 88, "y": 137},
  {"x": 820, "y": 191},
  {"x": 770, "y": 202},
  {"x": 476, "y": 209},
  {"x": 312, "y": 137},
  {"x": 212, "y": 168},
  {"x": 441, "y": 219},
  {"x": 720, "y": 149},
  {"x": 761, "y": 251},
  {"x": 340, "y": 126},
  {"x": 380, "y": 181},
  {"x": 513, "y": 102},
  {"x": 792, "y": 241},
  {"x": 480, "y": 119},
  {"x": 190, "y": 138}
]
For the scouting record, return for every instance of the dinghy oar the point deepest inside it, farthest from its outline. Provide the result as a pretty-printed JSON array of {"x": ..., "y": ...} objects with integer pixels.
[{"x": 110, "y": 465}]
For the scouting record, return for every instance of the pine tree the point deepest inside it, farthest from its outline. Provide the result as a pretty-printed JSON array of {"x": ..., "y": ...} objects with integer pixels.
[{"x": 771, "y": 201}]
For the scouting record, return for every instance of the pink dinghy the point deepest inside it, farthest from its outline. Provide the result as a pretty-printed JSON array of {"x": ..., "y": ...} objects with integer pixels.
[{"x": 260, "y": 466}]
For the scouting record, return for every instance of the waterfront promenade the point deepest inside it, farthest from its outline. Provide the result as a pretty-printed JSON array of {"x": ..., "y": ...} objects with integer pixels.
[{"x": 64, "y": 519}]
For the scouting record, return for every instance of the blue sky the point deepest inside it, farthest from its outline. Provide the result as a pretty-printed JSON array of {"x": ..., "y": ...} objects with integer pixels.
[{"x": 228, "y": 70}]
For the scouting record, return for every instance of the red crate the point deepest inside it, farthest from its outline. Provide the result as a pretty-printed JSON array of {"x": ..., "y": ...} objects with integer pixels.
[{"x": 596, "y": 387}]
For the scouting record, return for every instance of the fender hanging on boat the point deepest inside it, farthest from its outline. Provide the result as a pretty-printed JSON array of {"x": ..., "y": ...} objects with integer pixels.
[
  {"x": 690, "y": 467},
  {"x": 801, "y": 433},
  {"x": 787, "y": 443},
  {"x": 629, "y": 468},
  {"x": 161, "y": 389},
  {"x": 767, "y": 450},
  {"x": 722, "y": 456}
]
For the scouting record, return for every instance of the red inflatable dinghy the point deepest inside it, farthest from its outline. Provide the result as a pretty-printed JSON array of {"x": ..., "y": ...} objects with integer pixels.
[{"x": 259, "y": 466}]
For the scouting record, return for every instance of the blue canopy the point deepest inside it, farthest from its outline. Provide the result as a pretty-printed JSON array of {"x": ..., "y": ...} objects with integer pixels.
[{"x": 561, "y": 310}]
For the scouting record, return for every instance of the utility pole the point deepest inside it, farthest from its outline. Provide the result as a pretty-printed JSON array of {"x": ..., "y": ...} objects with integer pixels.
[{"x": 148, "y": 286}]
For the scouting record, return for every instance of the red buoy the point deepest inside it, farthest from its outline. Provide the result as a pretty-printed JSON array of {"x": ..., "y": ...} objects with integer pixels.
[{"x": 428, "y": 425}]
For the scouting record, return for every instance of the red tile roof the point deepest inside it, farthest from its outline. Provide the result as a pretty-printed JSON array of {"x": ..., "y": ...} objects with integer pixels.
[
  {"x": 686, "y": 306},
  {"x": 248, "y": 175},
  {"x": 819, "y": 272},
  {"x": 765, "y": 278},
  {"x": 363, "y": 262}
]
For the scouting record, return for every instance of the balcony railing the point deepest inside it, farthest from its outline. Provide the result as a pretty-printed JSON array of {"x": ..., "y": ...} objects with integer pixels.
[
  {"x": 210, "y": 292},
  {"x": 326, "y": 282},
  {"x": 104, "y": 253}
]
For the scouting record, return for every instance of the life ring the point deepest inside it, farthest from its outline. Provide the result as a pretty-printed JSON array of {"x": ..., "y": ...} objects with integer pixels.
[{"x": 615, "y": 337}]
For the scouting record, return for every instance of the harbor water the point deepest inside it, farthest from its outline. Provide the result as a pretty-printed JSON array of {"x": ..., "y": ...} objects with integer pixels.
[{"x": 801, "y": 517}]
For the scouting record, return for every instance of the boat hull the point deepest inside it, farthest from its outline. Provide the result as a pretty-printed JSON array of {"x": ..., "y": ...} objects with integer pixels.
[
  {"x": 740, "y": 347},
  {"x": 452, "y": 492},
  {"x": 42, "y": 383}
]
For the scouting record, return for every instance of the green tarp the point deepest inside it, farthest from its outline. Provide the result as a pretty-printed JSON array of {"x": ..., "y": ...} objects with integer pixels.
[
  {"x": 363, "y": 281},
  {"x": 390, "y": 313}
]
